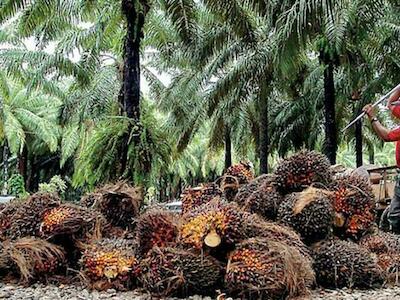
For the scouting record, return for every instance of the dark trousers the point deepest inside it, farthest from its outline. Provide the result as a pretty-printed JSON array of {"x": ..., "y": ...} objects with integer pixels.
[{"x": 394, "y": 209}]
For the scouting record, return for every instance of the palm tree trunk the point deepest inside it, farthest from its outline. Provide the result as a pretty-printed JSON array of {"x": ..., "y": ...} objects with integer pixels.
[
  {"x": 228, "y": 147},
  {"x": 359, "y": 144},
  {"x": 134, "y": 12},
  {"x": 330, "y": 147},
  {"x": 264, "y": 137},
  {"x": 5, "y": 167},
  {"x": 23, "y": 163}
]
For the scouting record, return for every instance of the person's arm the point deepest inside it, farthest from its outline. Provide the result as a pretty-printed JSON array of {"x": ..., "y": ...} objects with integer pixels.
[
  {"x": 395, "y": 109},
  {"x": 393, "y": 98},
  {"x": 379, "y": 129}
]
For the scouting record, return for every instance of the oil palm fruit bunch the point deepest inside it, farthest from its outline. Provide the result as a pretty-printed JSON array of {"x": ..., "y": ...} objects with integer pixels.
[
  {"x": 69, "y": 219},
  {"x": 261, "y": 268},
  {"x": 156, "y": 228},
  {"x": 310, "y": 213},
  {"x": 247, "y": 189},
  {"x": 234, "y": 177},
  {"x": 265, "y": 200},
  {"x": 381, "y": 242},
  {"x": 390, "y": 265},
  {"x": 176, "y": 272},
  {"x": 6, "y": 218},
  {"x": 27, "y": 218},
  {"x": 302, "y": 170},
  {"x": 32, "y": 258},
  {"x": 354, "y": 206},
  {"x": 339, "y": 264},
  {"x": 243, "y": 171},
  {"x": 120, "y": 203},
  {"x": 110, "y": 263},
  {"x": 387, "y": 248},
  {"x": 194, "y": 197},
  {"x": 212, "y": 224}
]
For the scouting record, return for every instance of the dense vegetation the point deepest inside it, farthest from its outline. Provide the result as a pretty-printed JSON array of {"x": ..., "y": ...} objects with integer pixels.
[{"x": 224, "y": 80}]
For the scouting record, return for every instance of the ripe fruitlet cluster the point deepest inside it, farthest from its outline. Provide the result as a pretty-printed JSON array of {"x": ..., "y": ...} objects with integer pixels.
[
  {"x": 310, "y": 213},
  {"x": 301, "y": 170},
  {"x": 243, "y": 172},
  {"x": 339, "y": 264},
  {"x": 111, "y": 260},
  {"x": 156, "y": 228},
  {"x": 354, "y": 204},
  {"x": 263, "y": 268},
  {"x": 171, "y": 271},
  {"x": 195, "y": 197},
  {"x": 53, "y": 218},
  {"x": 246, "y": 260},
  {"x": 223, "y": 219}
]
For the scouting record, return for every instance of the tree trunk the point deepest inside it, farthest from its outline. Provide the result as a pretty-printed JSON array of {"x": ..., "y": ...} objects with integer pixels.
[
  {"x": 359, "y": 144},
  {"x": 5, "y": 167},
  {"x": 134, "y": 12},
  {"x": 228, "y": 147},
  {"x": 23, "y": 163},
  {"x": 330, "y": 145},
  {"x": 264, "y": 137},
  {"x": 30, "y": 174}
]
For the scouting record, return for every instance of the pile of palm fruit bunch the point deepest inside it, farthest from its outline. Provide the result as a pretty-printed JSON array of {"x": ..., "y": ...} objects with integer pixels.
[
  {"x": 43, "y": 238},
  {"x": 270, "y": 237},
  {"x": 328, "y": 213},
  {"x": 223, "y": 230}
]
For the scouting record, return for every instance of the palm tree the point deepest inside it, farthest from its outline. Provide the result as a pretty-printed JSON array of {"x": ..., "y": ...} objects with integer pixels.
[
  {"x": 220, "y": 76},
  {"x": 29, "y": 121},
  {"x": 332, "y": 24}
]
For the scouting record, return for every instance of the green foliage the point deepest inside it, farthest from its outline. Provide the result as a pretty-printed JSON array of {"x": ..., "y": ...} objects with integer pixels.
[
  {"x": 148, "y": 150},
  {"x": 55, "y": 185},
  {"x": 16, "y": 186}
]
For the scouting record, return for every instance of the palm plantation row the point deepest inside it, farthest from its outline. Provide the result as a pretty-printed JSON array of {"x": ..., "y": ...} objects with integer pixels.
[{"x": 227, "y": 80}]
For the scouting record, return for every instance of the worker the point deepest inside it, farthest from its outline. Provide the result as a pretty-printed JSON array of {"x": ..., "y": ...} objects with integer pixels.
[{"x": 388, "y": 135}]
